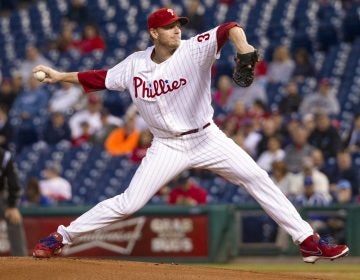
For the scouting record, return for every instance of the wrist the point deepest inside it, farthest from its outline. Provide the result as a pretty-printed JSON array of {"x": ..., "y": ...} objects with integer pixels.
[
  {"x": 245, "y": 49},
  {"x": 60, "y": 77}
]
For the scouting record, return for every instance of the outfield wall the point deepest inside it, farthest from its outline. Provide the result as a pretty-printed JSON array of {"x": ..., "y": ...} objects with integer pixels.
[{"x": 213, "y": 233}]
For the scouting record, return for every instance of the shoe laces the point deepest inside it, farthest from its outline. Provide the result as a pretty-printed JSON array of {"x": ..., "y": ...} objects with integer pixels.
[
  {"x": 327, "y": 242},
  {"x": 50, "y": 242}
]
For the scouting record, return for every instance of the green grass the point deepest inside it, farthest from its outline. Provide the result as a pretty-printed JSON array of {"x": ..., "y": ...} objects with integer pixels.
[{"x": 322, "y": 270}]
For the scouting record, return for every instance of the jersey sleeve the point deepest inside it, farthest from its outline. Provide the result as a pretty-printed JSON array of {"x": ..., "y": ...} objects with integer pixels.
[
  {"x": 92, "y": 80},
  {"x": 118, "y": 77},
  {"x": 203, "y": 48}
]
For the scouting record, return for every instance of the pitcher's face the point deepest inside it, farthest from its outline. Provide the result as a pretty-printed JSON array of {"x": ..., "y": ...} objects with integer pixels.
[{"x": 168, "y": 36}]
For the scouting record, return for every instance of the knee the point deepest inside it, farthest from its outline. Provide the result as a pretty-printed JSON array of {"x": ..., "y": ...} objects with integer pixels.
[
  {"x": 121, "y": 204},
  {"x": 257, "y": 175}
]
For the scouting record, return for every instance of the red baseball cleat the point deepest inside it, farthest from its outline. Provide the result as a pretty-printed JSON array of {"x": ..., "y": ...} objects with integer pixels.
[
  {"x": 314, "y": 248},
  {"x": 49, "y": 246}
]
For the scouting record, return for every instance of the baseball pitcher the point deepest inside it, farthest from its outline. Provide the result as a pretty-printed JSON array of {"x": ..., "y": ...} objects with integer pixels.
[{"x": 169, "y": 83}]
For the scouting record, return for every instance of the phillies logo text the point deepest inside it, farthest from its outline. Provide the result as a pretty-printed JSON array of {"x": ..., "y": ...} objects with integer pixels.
[{"x": 157, "y": 88}]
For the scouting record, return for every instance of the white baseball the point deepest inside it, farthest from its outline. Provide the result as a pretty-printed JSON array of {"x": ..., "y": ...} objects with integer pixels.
[{"x": 40, "y": 75}]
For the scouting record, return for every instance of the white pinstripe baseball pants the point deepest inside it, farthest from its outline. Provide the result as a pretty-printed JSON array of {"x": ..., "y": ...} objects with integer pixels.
[{"x": 166, "y": 158}]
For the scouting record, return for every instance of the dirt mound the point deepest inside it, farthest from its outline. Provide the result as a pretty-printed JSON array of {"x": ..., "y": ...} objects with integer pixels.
[{"x": 85, "y": 269}]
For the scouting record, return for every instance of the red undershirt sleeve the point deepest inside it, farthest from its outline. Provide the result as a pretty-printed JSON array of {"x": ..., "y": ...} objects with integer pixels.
[
  {"x": 222, "y": 33},
  {"x": 92, "y": 80}
]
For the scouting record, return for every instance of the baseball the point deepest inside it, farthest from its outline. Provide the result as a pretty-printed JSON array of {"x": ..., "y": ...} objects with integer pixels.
[{"x": 40, "y": 75}]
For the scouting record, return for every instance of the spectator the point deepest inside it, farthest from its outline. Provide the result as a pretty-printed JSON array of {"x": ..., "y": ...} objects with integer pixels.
[
  {"x": 187, "y": 192},
  {"x": 123, "y": 140},
  {"x": 132, "y": 112},
  {"x": 77, "y": 13},
  {"x": 249, "y": 95},
  {"x": 222, "y": 96},
  {"x": 33, "y": 58},
  {"x": 28, "y": 111},
  {"x": 10, "y": 192},
  {"x": 313, "y": 198},
  {"x": 317, "y": 158},
  {"x": 144, "y": 143},
  {"x": 297, "y": 150},
  {"x": 91, "y": 40},
  {"x": 281, "y": 66},
  {"x": 283, "y": 179},
  {"x": 56, "y": 129},
  {"x": 66, "y": 41},
  {"x": 251, "y": 137},
  {"x": 310, "y": 197},
  {"x": 304, "y": 68},
  {"x": 344, "y": 170},
  {"x": 84, "y": 137},
  {"x": 324, "y": 100},
  {"x": 290, "y": 123},
  {"x": 230, "y": 127},
  {"x": 33, "y": 196},
  {"x": 53, "y": 186},
  {"x": 308, "y": 121},
  {"x": 325, "y": 136},
  {"x": 237, "y": 115},
  {"x": 341, "y": 193},
  {"x": 258, "y": 112},
  {"x": 16, "y": 83},
  {"x": 31, "y": 102},
  {"x": 353, "y": 141},
  {"x": 5, "y": 128},
  {"x": 290, "y": 102},
  {"x": 100, "y": 135},
  {"x": 91, "y": 114},
  {"x": 162, "y": 196},
  {"x": 268, "y": 130},
  {"x": 273, "y": 153},
  {"x": 195, "y": 13},
  {"x": 7, "y": 94},
  {"x": 319, "y": 180},
  {"x": 65, "y": 99}
]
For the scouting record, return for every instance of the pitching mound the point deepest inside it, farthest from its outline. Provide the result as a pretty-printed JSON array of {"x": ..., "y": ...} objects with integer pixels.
[{"x": 85, "y": 269}]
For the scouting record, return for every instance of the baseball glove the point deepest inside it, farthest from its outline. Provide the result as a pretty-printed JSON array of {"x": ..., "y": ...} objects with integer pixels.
[{"x": 244, "y": 69}]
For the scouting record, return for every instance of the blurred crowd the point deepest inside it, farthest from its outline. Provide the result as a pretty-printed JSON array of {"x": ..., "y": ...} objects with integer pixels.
[{"x": 297, "y": 141}]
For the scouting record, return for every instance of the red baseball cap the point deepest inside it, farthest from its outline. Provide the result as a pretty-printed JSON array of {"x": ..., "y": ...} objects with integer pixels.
[{"x": 163, "y": 17}]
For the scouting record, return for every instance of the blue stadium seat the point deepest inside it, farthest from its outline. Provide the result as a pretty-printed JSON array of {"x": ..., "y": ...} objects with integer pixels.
[{"x": 123, "y": 25}]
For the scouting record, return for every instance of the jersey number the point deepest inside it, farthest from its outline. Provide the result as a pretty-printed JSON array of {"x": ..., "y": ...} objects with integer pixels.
[{"x": 203, "y": 37}]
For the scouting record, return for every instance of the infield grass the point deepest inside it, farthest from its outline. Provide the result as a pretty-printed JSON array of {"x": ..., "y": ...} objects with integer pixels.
[{"x": 321, "y": 270}]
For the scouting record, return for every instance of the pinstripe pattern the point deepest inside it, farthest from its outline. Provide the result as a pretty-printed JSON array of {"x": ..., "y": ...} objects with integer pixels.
[
  {"x": 183, "y": 109},
  {"x": 166, "y": 158},
  {"x": 174, "y": 97}
]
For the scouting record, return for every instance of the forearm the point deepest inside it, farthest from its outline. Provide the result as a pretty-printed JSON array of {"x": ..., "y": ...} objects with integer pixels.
[
  {"x": 54, "y": 76},
  {"x": 91, "y": 80},
  {"x": 69, "y": 77},
  {"x": 238, "y": 38}
]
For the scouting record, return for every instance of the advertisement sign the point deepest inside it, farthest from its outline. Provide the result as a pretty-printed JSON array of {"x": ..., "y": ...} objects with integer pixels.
[{"x": 142, "y": 236}]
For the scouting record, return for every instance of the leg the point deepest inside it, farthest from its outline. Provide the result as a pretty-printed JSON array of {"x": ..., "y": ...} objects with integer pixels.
[
  {"x": 160, "y": 165},
  {"x": 17, "y": 239},
  {"x": 16, "y": 234},
  {"x": 227, "y": 159}
]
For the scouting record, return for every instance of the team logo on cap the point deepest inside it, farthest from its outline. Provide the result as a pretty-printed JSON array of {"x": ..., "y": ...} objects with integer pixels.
[{"x": 171, "y": 11}]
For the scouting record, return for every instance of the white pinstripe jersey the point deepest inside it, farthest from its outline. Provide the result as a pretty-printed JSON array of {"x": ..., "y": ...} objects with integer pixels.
[{"x": 173, "y": 96}]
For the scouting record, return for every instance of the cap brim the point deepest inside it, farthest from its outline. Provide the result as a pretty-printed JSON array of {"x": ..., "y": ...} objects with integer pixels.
[{"x": 182, "y": 20}]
